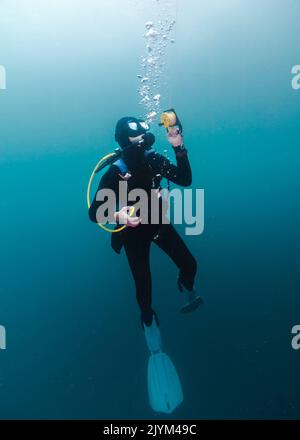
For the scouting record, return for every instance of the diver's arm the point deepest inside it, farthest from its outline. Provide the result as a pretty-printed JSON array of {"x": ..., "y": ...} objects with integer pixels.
[
  {"x": 181, "y": 173},
  {"x": 184, "y": 171},
  {"x": 108, "y": 181}
]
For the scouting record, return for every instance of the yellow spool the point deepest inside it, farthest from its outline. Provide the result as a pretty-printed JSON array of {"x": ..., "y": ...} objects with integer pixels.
[
  {"x": 88, "y": 196},
  {"x": 168, "y": 119}
]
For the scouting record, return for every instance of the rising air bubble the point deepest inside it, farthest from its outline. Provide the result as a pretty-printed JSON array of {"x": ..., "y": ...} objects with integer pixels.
[
  {"x": 151, "y": 116},
  {"x": 152, "y": 33},
  {"x": 149, "y": 25},
  {"x": 158, "y": 38}
]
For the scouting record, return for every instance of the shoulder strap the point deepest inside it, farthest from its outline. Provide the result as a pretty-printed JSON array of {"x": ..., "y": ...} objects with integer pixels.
[
  {"x": 120, "y": 163},
  {"x": 148, "y": 152}
]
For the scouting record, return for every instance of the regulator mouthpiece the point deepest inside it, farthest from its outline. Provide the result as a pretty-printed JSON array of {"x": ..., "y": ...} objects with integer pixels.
[{"x": 148, "y": 140}]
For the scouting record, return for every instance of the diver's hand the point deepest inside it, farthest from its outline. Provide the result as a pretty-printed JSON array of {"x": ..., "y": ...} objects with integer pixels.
[
  {"x": 123, "y": 217},
  {"x": 175, "y": 137}
]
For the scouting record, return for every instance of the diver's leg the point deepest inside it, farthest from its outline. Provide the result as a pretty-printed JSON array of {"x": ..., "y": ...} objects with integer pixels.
[
  {"x": 173, "y": 245},
  {"x": 137, "y": 248}
]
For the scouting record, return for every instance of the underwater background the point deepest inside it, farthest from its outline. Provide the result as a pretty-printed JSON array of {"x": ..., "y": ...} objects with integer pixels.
[{"x": 75, "y": 347}]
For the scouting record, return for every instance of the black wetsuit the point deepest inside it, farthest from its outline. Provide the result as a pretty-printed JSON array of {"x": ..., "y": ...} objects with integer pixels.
[{"x": 147, "y": 175}]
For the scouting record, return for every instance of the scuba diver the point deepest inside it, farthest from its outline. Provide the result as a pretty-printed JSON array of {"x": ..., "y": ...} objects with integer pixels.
[{"x": 143, "y": 168}]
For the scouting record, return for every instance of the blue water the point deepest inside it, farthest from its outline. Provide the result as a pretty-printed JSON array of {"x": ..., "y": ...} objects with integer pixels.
[{"x": 75, "y": 348}]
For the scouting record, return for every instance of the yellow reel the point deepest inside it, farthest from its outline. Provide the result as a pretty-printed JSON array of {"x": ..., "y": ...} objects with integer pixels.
[
  {"x": 88, "y": 196},
  {"x": 168, "y": 119}
]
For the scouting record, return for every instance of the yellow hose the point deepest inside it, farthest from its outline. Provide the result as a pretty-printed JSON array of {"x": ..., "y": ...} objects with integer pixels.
[{"x": 88, "y": 195}]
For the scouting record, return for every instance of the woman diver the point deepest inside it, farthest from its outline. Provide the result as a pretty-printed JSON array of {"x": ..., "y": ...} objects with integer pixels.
[{"x": 143, "y": 168}]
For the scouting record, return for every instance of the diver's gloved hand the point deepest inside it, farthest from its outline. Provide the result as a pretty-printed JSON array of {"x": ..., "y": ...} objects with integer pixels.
[
  {"x": 123, "y": 217},
  {"x": 175, "y": 137}
]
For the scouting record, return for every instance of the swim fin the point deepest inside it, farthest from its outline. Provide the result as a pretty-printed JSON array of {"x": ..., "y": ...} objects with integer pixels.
[
  {"x": 192, "y": 305},
  {"x": 164, "y": 387},
  {"x": 193, "y": 301}
]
